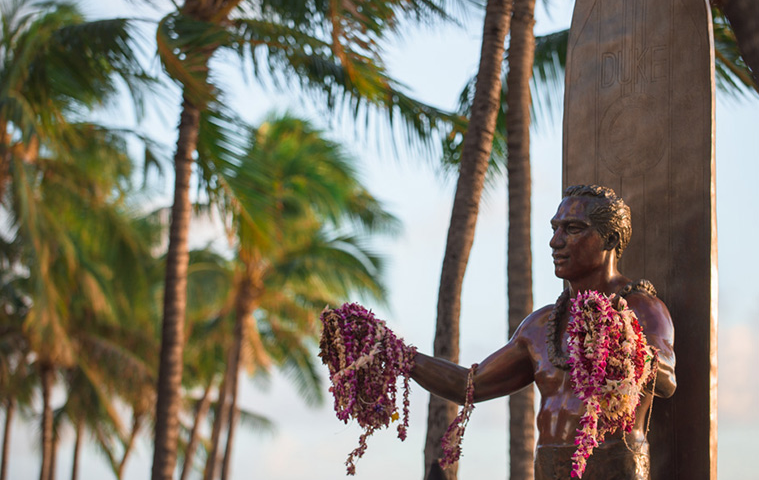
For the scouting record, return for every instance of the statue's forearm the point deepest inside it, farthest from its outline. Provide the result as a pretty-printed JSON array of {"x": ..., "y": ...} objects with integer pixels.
[
  {"x": 440, "y": 377},
  {"x": 502, "y": 373}
]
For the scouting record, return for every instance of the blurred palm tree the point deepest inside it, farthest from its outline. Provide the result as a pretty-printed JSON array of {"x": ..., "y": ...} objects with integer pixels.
[
  {"x": 114, "y": 363},
  {"x": 17, "y": 379},
  {"x": 473, "y": 159},
  {"x": 210, "y": 281},
  {"x": 85, "y": 275},
  {"x": 318, "y": 216},
  {"x": 54, "y": 68},
  {"x": 521, "y": 54}
]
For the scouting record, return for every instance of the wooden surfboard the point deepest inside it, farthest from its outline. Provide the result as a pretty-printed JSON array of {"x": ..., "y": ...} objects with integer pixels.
[{"x": 639, "y": 118}]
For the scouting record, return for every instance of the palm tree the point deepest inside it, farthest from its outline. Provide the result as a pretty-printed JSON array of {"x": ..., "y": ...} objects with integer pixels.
[
  {"x": 103, "y": 303},
  {"x": 310, "y": 188},
  {"x": 519, "y": 265},
  {"x": 475, "y": 157},
  {"x": 114, "y": 369},
  {"x": 54, "y": 262},
  {"x": 10, "y": 408},
  {"x": 53, "y": 67},
  {"x": 68, "y": 261},
  {"x": 16, "y": 378},
  {"x": 210, "y": 281}
]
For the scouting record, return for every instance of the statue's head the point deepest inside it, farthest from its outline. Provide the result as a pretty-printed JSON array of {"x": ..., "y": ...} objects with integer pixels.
[{"x": 608, "y": 214}]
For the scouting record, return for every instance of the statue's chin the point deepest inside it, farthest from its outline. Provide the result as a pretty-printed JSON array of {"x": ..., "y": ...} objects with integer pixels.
[{"x": 559, "y": 272}]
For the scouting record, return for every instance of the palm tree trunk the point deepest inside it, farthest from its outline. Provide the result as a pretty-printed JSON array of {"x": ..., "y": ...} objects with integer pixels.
[
  {"x": 53, "y": 457},
  {"x": 47, "y": 378},
  {"x": 244, "y": 306},
  {"x": 136, "y": 424},
  {"x": 10, "y": 409},
  {"x": 192, "y": 444},
  {"x": 233, "y": 420},
  {"x": 168, "y": 401},
  {"x": 519, "y": 264},
  {"x": 474, "y": 163},
  {"x": 102, "y": 438},
  {"x": 220, "y": 419},
  {"x": 743, "y": 16},
  {"x": 5, "y": 156},
  {"x": 232, "y": 411},
  {"x": 77, "y": 447}
]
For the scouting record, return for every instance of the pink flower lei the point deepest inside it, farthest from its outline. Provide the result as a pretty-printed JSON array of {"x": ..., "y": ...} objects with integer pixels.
[
  {"x": 365, "y": 359},
  {"x": 455, "y": 432},
  {"x": 610, "y": 363}
]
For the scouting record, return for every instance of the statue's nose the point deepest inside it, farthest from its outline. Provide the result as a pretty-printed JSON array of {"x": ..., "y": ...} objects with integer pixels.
[{"x": 557, "y": 240}]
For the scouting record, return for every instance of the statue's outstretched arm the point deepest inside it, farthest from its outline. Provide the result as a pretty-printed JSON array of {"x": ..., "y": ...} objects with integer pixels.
[{"x": 507, "y": 370}]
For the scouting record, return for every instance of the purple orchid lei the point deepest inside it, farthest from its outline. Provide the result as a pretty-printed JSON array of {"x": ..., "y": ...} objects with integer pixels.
[
  {"x": 455, "y": 432},
  {"x": 365, "y": 359},
  {"x": 610, "y": 363}
]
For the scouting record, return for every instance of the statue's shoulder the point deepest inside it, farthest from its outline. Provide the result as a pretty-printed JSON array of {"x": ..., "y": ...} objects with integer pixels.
[
  {"x": 538, "y": 318},
  {"x": 541, "y": 314},
  {"x": 533, "y": 325},
  {"x": 641, "y": 297}
]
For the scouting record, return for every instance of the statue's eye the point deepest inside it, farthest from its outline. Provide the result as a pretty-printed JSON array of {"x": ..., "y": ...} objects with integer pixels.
[{"x": 573, "y": 229}]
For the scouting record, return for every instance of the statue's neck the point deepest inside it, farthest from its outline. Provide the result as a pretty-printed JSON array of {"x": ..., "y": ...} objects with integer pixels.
[{"x": 606, "y": 280}]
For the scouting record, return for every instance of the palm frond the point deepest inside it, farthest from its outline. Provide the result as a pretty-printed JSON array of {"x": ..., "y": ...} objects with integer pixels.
[
  {"x": 298, "y": 363},
  {"x": 256, "y": 421},
  {"x": 732, "y": 74},
  {"x": 353, "y": 82},
  {"x": 185, "y": 47},
  {"x": 548, "y": 74}
]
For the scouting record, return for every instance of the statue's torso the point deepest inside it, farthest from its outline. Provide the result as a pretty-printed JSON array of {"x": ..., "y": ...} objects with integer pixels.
[
  {"x": 560, "y": 409},
  {"x": 558, "y": 419}
]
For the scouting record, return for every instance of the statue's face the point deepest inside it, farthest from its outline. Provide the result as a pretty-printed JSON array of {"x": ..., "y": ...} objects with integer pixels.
[{"x": 578, "y": 248}]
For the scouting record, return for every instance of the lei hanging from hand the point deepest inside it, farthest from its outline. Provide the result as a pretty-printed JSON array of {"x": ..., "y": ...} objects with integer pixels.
[
  {"x": 610, "y": 363},
  {"x": 365, "y": 359},
  {"x": 453, "y": 436}
]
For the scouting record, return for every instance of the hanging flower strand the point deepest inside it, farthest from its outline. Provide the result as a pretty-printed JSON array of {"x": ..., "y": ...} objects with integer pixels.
[
  {"x": 365, "y": 359},
  {"x": 455, "y": 432},
  {"x": 610, "y": 364}
]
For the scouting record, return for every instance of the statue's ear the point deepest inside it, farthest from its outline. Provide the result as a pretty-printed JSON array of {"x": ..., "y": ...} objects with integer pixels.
[{"x": 612, "y": 241}]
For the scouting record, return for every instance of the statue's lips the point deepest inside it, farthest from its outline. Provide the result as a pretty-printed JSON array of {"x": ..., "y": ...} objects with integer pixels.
[{"x": 559, "y": 259}]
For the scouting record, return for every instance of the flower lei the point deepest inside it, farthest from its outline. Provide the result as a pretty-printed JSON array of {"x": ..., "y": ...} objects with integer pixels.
[
  {"x": 455, "y": 432},
  {"x": 610, "y": 363},
  {"x": 553, "y": 336},
  {"x": 365, "y": 359}
]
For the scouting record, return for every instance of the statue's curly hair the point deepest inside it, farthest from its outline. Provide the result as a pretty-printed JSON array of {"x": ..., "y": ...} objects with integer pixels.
[{"x": 610, "y": 215}]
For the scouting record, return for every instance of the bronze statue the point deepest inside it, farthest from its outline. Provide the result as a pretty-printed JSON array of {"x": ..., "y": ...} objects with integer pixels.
[{"x": 591, "y": 230}]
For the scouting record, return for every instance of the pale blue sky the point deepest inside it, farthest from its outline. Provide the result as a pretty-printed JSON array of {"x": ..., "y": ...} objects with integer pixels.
[{"x": 435, "y": 63}]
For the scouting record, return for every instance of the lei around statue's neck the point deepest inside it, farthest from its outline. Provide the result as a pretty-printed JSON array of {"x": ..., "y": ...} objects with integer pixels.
[{"x": 556, "y": 355}]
